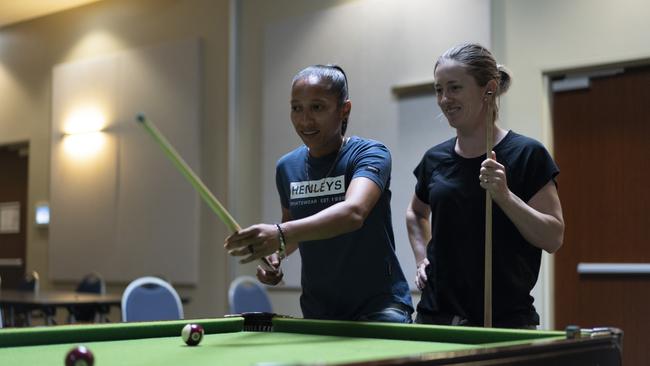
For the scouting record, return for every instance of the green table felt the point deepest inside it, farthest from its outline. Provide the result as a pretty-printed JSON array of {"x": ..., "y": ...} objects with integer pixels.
[
  {"x": 239, "y": 348},
  {"x": 293, "y": 341}
]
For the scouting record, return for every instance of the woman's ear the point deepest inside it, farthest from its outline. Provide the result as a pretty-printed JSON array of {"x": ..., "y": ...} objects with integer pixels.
[
  {"x": 491, "y": 88},
  {"x": 345, "y": 109}
]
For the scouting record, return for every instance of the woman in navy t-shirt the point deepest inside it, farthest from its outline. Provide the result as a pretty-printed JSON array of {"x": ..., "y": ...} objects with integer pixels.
[{"x": 335, "y": 200}]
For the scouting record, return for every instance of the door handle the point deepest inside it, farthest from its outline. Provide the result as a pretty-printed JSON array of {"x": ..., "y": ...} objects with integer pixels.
[
  {"x": 11, "y": 262},
  {"x": 614, "y": 268}
]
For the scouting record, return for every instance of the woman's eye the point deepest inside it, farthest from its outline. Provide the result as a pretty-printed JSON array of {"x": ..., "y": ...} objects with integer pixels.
[
  {"x": 295, "y": 108},
  {"x": 317, "y": 107}
]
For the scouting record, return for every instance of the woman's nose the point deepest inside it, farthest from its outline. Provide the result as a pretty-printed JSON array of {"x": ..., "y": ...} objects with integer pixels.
[
  {"x": 307, "y": 115},
  {"x": 442, "y": 97},
  {"x": 302, "y": 117}
]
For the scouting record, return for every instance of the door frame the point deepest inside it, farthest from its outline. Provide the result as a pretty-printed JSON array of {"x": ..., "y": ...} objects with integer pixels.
[
  {"x": 25, "y": 212},
  {"x": 547, "y": 272}
]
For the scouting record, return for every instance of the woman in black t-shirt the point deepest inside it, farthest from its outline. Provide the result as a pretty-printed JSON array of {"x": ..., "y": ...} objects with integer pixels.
[{"x": 446, "y": 217}]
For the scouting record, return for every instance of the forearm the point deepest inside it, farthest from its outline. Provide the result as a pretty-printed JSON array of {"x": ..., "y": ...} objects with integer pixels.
[
  {"x": 262, "y": 240},
  {"x": 544, "y": 231},
  {"x": 333, "y": 221},
  {"x": 290, "y": 246},
  {"x": 419, "y": 233}
]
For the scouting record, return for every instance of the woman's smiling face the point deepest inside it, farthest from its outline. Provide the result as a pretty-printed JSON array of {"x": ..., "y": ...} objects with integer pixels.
[
  {"x": 460, "y": 98},
  {"x": 317, "y": 115}
]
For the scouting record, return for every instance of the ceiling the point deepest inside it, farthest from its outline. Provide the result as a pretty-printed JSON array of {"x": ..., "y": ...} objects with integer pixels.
[{"x": 14, "y": 11}]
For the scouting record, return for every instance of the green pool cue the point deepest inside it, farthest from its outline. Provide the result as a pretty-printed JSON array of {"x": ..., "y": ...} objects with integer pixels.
[{"x": 194, "y": 179}]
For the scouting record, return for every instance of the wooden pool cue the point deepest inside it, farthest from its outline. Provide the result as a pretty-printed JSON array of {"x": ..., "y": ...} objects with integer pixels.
[
  {"x": 487, "y": 295},
  {"x": 194, "y": 179}
]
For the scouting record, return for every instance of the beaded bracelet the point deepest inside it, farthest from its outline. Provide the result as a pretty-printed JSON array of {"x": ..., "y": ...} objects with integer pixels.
[{"x": 282, "y": 251}]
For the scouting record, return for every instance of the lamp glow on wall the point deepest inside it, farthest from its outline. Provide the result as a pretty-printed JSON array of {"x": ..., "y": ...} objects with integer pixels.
[{"x": 82, "y": 133}]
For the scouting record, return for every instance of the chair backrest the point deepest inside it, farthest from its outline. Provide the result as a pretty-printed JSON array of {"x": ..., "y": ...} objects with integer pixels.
[
  {"x": 1, "y": 324},
  {"x": 246, "y": 294},
  {"x": 92, "y": 283},
  {"x": 150, "y": 298},
  {"x": 30, "y": 283}
]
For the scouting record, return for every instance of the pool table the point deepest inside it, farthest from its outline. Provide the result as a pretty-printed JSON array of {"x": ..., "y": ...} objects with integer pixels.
[{"x": 264, "y": 339}]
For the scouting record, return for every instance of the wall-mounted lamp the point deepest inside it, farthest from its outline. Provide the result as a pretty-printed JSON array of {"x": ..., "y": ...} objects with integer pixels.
[
  {"x": 84, "y": 120},
  {"x": 82, "y": 132}
]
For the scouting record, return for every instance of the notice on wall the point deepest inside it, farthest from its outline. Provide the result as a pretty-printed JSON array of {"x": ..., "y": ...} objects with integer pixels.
[{"x": 9, "y": 217}]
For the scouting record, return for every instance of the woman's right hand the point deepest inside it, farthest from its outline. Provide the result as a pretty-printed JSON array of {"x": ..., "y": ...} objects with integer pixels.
[
  {"x": 421, "y": 274},
  {"x": 271, "y": 277}
]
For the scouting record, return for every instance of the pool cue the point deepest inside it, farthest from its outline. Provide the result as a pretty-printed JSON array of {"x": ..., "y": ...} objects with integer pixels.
[
  {"x": 194, "y": 179},
  {"x": 487, "y": 295}
]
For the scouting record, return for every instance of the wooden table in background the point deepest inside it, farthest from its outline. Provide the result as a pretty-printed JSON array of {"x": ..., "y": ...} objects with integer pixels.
[{"x": 48, "y": 301}]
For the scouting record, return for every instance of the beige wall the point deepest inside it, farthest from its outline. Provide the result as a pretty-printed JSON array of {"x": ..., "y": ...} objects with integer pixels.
[
  {"x": 534, "y": 37},
  {"x": 29, "y": 50}
]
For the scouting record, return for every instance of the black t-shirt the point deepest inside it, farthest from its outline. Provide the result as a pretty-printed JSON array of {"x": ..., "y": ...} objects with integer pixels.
[{"x": 449, "y": 184}]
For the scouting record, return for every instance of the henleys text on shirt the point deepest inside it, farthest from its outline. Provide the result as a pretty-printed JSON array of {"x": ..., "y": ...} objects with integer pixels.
[{"x": 317, "y": 188}]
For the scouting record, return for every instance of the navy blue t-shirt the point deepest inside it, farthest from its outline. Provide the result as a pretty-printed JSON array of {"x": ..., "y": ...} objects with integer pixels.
[
  {"x": 449, "y": 184},
  {"x": 352, "y": 274}
]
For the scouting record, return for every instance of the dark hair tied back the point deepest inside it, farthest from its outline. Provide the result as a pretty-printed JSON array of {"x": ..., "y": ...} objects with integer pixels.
[{"x": 333, "y": 74}]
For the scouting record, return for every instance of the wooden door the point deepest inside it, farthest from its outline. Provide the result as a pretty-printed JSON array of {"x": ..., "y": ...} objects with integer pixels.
[
  {"x": 13, "y": 195},
  {"x": 602, "y": 146}
]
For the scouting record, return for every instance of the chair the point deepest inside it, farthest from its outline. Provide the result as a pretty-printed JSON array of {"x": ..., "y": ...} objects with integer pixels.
[
  {"x": 92, "y": 283},
  {"x": 150, "y": 298},
  {"x": 1, "y": 309},
  {"x": 246, "y": 294},
  {"x": 23, "y": 315},
  {"x": 31, "y": 283}
]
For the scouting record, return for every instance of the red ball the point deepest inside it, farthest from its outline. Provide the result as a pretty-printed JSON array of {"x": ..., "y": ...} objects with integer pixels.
[
  {"x": 192, "y": 334},
  {"x": 79, "y": 356}
]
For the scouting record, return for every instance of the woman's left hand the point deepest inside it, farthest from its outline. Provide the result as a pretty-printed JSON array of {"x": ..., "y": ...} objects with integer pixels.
[
  {"x": 492, "y": 177},
  {"x": 273, "y": 274},
  {"x": 421, "y": 274},
  {"x": 254, "y": 242}
]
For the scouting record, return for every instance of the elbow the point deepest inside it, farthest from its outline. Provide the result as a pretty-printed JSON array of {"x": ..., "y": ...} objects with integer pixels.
[
  {"x": 554, "y": 247},
  {"x": 415, "y": 218},
  {"x": 557, "y": 242},
  {"x": 410, "y": 217},
  {"x": 355, "y": 218}
]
